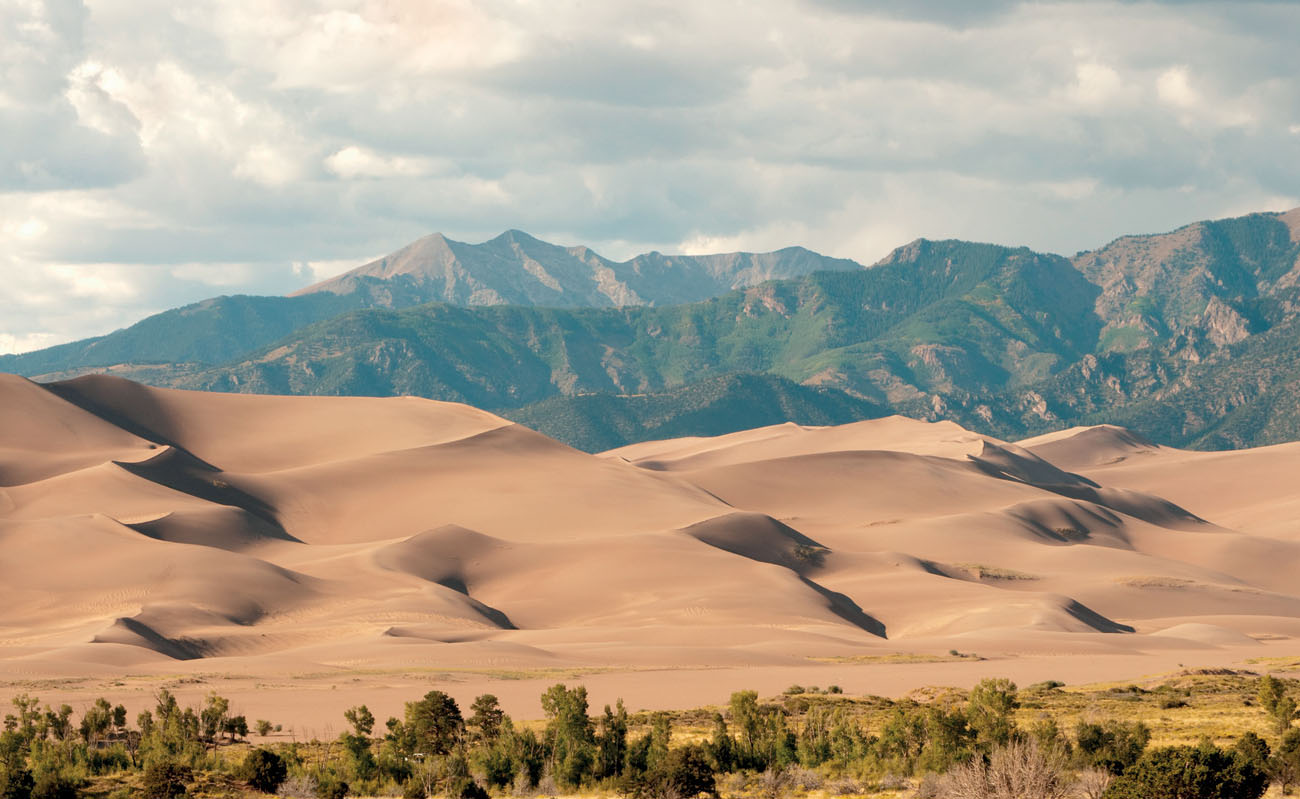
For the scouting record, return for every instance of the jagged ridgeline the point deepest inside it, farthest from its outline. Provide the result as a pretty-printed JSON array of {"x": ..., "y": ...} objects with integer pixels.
[{"x": 1188, "y": 336}]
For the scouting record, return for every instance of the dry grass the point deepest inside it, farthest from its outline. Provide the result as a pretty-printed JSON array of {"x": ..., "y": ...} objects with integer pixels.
[
  {"x": 981, "y": 571},
  {"x": 896, "y": 657}
]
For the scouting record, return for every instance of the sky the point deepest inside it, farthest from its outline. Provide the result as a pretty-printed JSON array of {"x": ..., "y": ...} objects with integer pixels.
[{"x": 156, "y": 152}]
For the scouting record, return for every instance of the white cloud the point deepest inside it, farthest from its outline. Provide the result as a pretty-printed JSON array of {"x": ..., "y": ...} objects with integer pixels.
[
  {"x": 1096, "y": 85},
  {"x": 1174, "y": 88},
  {"x": 158, "y": 151},
  {"x": 26, "y": 342},
  {"x": 309, "y": 272},
  {"x": 359, "y": 162}
]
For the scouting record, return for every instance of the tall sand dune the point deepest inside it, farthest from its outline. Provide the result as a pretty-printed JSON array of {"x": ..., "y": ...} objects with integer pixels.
[{"x": 148, "y": 531}]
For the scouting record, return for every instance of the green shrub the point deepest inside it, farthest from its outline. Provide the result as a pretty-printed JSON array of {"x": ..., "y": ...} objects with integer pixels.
[
  {"x": 263, "y": 770},
  {"x": 466, "y": 788},
  {"x": 1190, "y": 772},
  {"x": 329, "y": 787},
  {"x": 55, "y": 785},
  {"x": 683, "y": 773},
  {"x": 15, "y": 783},
  {"x": 1113, "y": 746},
  {"x": 166, "y": 780}
]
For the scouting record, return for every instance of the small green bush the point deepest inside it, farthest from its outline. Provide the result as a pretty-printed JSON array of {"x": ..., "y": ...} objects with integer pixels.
[
  {"x": 1190, "y": 772},
  {"x": 15, "y": 783},
  {"x": 166, "y": 780},
  {"x": 55, "y": 785},
  {"x": 263, "y": 770},
  {"x": 331, "y": 788}
]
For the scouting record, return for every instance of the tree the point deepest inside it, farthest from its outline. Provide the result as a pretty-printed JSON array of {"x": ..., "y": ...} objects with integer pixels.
[
  {"x": 1279, "y": 706},
  {"x": 263, "y": 770},
  {"x": 1114, "y": 746},
  {"x": 527, "y": 754},
  {"x": 59, "y": 723},
  {"x": 235, "y": 727},
  {"x": 611, "y": 743},
  {"x": 661, "y": 734},
  {"x": 434, "y": 724},
  {"x": 1189, "y": 772},
  {"x": 903, "y": 738},
  {"x": 991, "y": 712},
  {"x": 486, "y": 718},
  {"x": 745, "y": 721},
  {"x": 213, "y": 716},
  {"x": 948, "y": 739},
  {"x": 97, "y": 722},
  {"x": 1252, "y": 749},
  {"x": 722, "y": 747},
  {"x": 15, "y": 779},
  {"x": 1284, "y": 764},
  {"x": 683, "y": 773},
  {"x": 361, "y": 719},
  {"x": 459, "y": 784},
  {"x": 569, "y": 734}
]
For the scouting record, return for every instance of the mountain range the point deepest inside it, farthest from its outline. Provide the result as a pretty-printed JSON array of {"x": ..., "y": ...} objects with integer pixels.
[
  {"x": 1187, "y": 336},
  {"x": 518, "y": 269}
]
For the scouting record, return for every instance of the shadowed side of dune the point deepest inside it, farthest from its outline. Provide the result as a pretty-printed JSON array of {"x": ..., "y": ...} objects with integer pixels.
[
  {"x": 760, "y": 537},
  {"x": 181, "y": 471},
  {"x": 130, "y": 406},
  {"x": 1068, "y": 521},
  {"x": 1009, "y": 462},
  {"x": 222, "y": 527},
  {"x": 131, "y": 632},
  {"x": 1092, "y": 618},
  {"x": 440, "y": 557},
  {"x": 844, "y": 607},
  {"x": 1006, "y": 463}
]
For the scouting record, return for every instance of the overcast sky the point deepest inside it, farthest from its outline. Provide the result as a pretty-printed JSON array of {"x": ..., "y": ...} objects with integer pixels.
[{"x": 155, "y": 152}]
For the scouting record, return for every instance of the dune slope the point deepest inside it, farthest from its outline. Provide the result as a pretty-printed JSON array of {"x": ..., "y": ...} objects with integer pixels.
[{"x": 143, "y": 527}]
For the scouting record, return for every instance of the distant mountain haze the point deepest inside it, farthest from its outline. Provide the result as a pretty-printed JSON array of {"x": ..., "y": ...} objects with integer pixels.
[
  {"x": 511, "y": 269},
  {"x": 517, "y": 269},
  {"x": 1189, "y": 337}
]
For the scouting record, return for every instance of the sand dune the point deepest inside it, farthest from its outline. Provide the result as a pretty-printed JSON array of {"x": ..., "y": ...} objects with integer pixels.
[{"x": 144, "y": 529}]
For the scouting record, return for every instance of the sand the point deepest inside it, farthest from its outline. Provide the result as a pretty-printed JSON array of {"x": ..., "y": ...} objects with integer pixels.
[{"x": 305, "y": 554}]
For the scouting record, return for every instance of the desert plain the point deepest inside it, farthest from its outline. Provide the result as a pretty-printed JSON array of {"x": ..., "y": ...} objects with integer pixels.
[{"x": 301, "y": 555}]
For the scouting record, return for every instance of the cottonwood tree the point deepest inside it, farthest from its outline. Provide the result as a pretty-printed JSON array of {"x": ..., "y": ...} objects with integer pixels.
[
  {"x": 991, "y": 712},
  {"x": 569, "y": 734},
  {"x": 1279, "y": 706}
]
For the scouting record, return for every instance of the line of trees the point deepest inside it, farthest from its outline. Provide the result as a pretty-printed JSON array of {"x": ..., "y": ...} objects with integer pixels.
[{"x": 968, "y": 749}]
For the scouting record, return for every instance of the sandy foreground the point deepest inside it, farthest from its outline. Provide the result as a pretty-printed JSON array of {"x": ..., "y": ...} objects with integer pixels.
[{"x": 302, "y": 555}]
